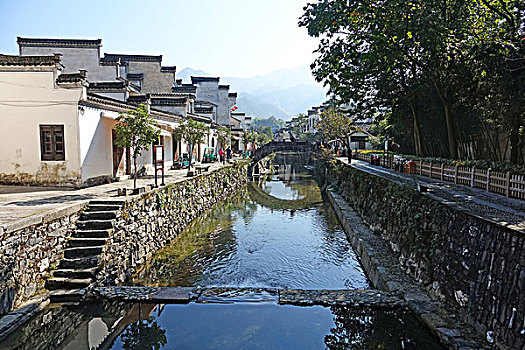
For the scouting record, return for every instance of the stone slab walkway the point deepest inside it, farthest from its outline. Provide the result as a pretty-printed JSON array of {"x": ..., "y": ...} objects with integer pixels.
[
  {"x": 504, "y": 211},
  {"x": 177, "y": 295},
  {"x": 24, "y": 205}
]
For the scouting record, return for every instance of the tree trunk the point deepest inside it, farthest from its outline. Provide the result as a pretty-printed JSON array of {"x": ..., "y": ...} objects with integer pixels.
[
  {"x": 418, "y": 140},
  {"x": 190, "y": 153},
  {"x": 451, "y": 132},
  {"x": 136, "y": 172},
  {"x": 515, "y": 138},
  {"x": 449, "y": 119}
]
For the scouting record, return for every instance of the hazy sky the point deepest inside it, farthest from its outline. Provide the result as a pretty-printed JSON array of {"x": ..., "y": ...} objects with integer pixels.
[{"x": 222, "y": 37}]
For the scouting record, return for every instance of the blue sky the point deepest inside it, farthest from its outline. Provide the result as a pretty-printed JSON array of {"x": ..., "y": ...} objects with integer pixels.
[{"x": 239, "y": 38}]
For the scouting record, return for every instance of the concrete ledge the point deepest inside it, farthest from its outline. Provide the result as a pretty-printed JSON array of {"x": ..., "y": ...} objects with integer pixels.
[{"x": 42, "y": 218}]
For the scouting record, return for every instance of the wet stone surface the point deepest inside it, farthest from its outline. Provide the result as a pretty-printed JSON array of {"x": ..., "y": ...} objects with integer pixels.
[{"x": 174, "y": 295}]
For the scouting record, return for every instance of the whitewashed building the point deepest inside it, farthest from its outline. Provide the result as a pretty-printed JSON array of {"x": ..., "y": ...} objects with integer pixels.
[{"x": 54, "y": 133}]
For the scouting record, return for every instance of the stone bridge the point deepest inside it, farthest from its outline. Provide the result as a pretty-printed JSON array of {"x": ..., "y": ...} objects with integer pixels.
[{"x": 276, "y": 146}]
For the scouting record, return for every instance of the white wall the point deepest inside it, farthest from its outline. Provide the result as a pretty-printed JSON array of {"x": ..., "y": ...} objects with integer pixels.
[
  {"x": 96, "y": 143},
  {"x": 29, "y": 99}
]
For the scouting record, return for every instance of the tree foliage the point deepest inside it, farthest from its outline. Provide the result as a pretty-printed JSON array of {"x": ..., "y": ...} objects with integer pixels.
[
  {"x": 451, "y": 72},
  {"x": 336, "y": 125},
  {"x": 137, "y": 130},
  {"x": 192, "y": 132}
]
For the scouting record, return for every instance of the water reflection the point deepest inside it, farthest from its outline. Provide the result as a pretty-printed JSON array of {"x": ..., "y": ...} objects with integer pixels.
[
  {"x": 101, "y": 325},
  {"x": 257, "y": 239},
  {"x": 270, "y": 326}
]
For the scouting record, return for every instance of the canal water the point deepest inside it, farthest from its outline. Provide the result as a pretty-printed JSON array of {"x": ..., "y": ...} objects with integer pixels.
[{"x": 279, "y": 233}]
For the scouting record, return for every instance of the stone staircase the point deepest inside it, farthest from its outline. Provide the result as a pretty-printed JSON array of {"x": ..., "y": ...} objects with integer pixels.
[{"x": 78, "y": 269}]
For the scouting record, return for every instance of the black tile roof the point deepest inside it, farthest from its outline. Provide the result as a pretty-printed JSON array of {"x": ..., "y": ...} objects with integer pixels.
[
  {"x": 195, "y": 80},
  {"x": 169, "y": 101},
  {"x": 171, "y": 69},
  {"x": 184, "y": 89},
  {"x": 232, "y": 94},
  {"x": 59, "y": 42},
  {"x": 107, "y": 85},
  {"x": 72, "y": 77},
  {"x": 224, "y": 87},
  {"x": 9, "y": 60},
  {"x": 203, "y": 109},
  {"x": 110, "y": 58},
  {"x": 135, "y": 76}
]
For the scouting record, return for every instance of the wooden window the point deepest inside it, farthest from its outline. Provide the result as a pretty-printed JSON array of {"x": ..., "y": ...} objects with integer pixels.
[{"x": 52, "y": 142}]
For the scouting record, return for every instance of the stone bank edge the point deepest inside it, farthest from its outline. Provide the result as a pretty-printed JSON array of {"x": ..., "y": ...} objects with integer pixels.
[
  {"x": 30, "y": 249},
  {"x": 473, "y": 266}
]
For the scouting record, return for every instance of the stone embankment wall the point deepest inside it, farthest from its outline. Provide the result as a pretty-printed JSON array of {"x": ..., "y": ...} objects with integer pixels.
[
  {"x": 31, "y": 249},
  {"x": 475, "y": 265},
  {"x": 149, "y": 222}
]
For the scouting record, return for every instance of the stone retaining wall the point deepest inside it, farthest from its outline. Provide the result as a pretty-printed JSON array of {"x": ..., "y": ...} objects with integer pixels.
[
  {"x": 149, "y": 222},
  {"x": 474, "y": 265},
  {"x": 32, "y": 248},
  {"x": 29, "y": 249}
]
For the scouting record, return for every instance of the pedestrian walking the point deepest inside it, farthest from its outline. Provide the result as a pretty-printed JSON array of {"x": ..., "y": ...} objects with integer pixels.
[
  {"x": 229, "y": 153},
  {"x": 221, "y": 155}
]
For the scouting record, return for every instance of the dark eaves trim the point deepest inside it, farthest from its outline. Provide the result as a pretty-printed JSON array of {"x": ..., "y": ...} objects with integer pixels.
[
  {"x": 195, "y": 80},
  {"x": 11, "y": 60},
  {"x": 109, "y": 58},
  {"x": 49, "y": 42},
  {"x": 168, "y": 69},
  {"x": 119, "y": 106},
  {"x": 199, "y": 118}
]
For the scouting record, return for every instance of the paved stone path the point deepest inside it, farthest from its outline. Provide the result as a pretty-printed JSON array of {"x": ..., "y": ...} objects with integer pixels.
[
  {"x": 175, "y": 295},
  {"x": 500, "y": 209},
  {"x": 23, "y": 202}
]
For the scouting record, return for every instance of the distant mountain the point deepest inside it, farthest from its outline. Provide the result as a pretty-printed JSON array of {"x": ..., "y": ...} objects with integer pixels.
[
  {"x": 186, "y": 74},
  {"x": 284, "y": 93}
]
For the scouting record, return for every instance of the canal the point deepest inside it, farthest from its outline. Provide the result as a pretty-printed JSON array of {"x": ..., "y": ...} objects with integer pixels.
[{"x": 278, "y": 233}]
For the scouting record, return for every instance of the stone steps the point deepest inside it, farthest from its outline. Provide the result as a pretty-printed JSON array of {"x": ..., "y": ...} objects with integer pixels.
[
  {"x": 67, "y": 283},
  {"x": 117, "y": 202},
  {"x": 98, "y": 215},
  {"x": 86, "y": 242},
  {"x": 101, "y": 207},
  {"x": 79, "y": 263},
  {"x": 95, "y": 225},
  {"x": 82, "y": 255},
  {"x": 77, "y": 273},
  {"x": 83, "y": 252},
  {"x": 67, "y": 295},
  {"x": 92, "y": 233}
]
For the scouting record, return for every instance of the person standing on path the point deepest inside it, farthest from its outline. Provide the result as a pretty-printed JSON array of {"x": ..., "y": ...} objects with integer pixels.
[
  {"x": 221, "y": 155},
  {"x": 229, "y": 153}
]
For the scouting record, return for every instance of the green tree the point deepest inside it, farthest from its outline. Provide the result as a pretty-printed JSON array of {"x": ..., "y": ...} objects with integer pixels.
[
  {"x": 192, "y": 132},
  {"x": 424, "y": 58},
  {"x": 137, "y": 130},
  {"x": 223, "y": 136},
  {"x": 336, "y": 125}
]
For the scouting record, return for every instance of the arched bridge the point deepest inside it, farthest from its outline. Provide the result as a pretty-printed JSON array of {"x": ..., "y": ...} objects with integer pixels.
[{"x": 275, "y": 146}]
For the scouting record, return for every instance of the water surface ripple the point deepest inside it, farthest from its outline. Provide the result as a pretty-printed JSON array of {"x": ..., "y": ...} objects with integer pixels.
[{"x": 288, "y": 240}]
